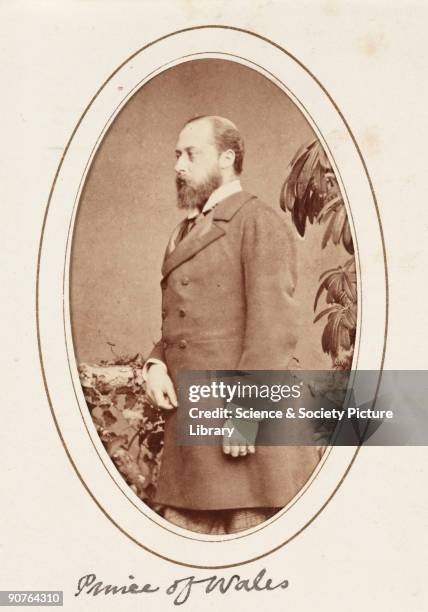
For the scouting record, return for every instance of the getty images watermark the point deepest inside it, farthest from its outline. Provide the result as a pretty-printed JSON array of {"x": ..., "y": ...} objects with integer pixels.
[{"x": 303, "y": 407}]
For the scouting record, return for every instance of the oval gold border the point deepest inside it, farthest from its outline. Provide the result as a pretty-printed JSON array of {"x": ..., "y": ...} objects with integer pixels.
[{"x": 38, "y": 276}]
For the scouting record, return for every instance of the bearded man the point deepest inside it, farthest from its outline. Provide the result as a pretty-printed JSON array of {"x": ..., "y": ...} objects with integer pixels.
[{"x": 228, "y": 281}]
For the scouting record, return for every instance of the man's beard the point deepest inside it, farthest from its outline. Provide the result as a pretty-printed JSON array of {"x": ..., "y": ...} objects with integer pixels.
[{"x": 189, "y": 196}]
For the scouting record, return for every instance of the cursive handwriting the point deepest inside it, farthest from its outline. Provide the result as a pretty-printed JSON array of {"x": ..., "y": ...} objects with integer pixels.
[
  {"x": 181, "y": 588},
  {"x": 91, "y": 587}
]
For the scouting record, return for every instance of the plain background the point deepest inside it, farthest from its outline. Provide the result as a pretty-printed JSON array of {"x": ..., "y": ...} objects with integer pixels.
[
  {"x": 128, "y": 207},
  {"x": 368, "y": 548}
]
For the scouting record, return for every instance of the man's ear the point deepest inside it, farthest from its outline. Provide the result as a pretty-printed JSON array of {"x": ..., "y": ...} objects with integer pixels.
[{"x": 226, "y": 159}]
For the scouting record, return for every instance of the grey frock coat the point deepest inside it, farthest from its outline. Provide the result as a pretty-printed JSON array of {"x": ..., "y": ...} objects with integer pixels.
[{"x": 227, "y": 304}]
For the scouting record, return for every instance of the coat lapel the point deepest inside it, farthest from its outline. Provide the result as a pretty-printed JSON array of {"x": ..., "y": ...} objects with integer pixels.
[
  {"x": 205, "y": 232},
  {"x": 192, "y": 244}
]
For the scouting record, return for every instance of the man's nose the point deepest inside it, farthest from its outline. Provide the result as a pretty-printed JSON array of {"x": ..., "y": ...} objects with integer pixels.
[{"x": 180, "y": 165}]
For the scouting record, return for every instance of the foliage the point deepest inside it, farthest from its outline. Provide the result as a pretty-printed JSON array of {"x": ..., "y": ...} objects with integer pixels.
[
  {"x": 130, "y": 428},
  {"x": 311, "y": 193},
  {"x": 340, "y": 288}
]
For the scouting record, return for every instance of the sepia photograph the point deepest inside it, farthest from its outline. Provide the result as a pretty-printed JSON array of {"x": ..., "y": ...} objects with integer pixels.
[
  {"x": 211, "y": 234},
  {"x": 213, "y": 310}
]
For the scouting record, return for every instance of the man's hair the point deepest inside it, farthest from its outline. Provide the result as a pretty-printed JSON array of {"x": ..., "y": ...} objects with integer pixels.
[{"x": 226, "y": 136}]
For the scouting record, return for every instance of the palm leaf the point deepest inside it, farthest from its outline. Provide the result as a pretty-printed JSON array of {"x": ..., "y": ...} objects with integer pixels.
[
  {"x": 340, "y": 285},
  {"x": 305, "y": 186},
  {"x": 328, "y": 310},
  {"x": 289, "y": 188},
  {"x": 347, "y": 238},
  {"x": 339, "y": 331},
  {"x": 310, "y": 191}
]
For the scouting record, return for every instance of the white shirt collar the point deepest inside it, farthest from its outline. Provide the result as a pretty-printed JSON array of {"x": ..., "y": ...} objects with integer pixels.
[{"x": 219, "y": 194}]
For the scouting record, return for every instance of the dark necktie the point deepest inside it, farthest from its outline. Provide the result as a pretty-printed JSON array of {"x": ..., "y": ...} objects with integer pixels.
[
  {"x": 186, "y": 228},
  {"x": 188, "y": 225}
]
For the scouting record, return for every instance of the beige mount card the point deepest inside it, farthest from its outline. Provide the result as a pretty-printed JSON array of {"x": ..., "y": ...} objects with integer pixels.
[{"x": 191, "y": 189}]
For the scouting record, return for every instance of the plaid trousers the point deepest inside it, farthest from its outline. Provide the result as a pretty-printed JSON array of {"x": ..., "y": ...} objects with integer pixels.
[{"x": 217, "y": 522}]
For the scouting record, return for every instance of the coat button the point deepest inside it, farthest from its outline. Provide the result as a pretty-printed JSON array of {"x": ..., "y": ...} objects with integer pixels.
[
  {"x": 163, "y": 314},
  {"x": 163, "y": 284},
  {"x": 182, "y": 344},
  {"x": 181, "y": 312},
  {"x": 185, "y": 280},
  {"x": 165, "y": 344}
]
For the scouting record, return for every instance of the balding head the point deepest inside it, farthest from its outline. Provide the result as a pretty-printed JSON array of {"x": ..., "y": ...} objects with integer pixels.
[{"x": 226, "y": 137}]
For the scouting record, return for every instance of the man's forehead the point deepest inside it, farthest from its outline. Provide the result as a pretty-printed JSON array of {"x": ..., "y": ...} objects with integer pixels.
[{"x": 197, "y": 133}]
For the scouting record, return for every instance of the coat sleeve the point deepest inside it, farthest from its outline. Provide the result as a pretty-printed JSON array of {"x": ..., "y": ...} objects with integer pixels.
[
  {"x": 269, "y": 268},
  {"x": 156, "y": 356},
  {"x": 157, "y": 352}
]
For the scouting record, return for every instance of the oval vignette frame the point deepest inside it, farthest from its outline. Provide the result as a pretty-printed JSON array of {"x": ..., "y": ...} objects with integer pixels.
[{"x": 80, "y": 441}]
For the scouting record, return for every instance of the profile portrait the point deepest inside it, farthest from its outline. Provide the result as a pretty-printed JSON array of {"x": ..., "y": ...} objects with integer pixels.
[{"x": 211, "y": 234}]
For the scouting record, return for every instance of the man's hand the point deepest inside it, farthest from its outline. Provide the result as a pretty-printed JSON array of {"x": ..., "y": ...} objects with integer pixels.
[
  {"x": 240, "y": 443},
  {"x": 159, "y": 388}
]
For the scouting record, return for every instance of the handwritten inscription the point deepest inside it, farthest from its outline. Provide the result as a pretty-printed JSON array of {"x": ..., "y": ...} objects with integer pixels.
[{"x": 182, "y": 588}]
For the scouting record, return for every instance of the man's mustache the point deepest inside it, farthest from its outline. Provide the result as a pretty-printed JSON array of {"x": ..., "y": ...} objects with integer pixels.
[{"x": 181, "y": 181}]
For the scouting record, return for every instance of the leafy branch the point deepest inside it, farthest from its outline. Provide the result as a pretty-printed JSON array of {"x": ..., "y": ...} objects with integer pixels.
[{"x": 311, "y": 193}]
